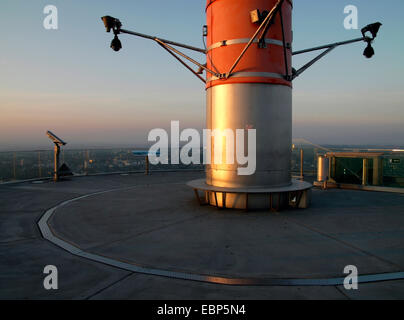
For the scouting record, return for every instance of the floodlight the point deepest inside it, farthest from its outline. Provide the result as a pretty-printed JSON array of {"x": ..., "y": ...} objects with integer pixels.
[{"x": 116, "y": 44}]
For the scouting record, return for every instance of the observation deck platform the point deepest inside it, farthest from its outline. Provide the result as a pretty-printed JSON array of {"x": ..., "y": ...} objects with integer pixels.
[{"x": 146, "y": 237}]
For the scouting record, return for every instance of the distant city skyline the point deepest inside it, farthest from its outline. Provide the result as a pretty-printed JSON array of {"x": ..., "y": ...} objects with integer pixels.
[{"x": 70, "y": 81}]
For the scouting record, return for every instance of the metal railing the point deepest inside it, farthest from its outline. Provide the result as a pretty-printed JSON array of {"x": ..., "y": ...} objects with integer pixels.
[
  {"x": 25, "y": 165},
  {"x": 305, "y": 162}
]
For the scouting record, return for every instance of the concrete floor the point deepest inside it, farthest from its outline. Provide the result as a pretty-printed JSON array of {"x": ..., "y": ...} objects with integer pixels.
[{"x": 157, "y": 223}]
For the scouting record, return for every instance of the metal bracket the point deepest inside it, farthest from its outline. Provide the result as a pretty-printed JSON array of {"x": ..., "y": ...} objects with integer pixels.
[
  {"x": 205, "y": 31},
  {"x": 262, "y": 43},
  {"x": 289, "y": 77},
  {"x": 270, "y": 22}
]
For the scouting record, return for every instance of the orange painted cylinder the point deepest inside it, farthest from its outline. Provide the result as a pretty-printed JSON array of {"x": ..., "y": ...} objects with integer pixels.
[
  {"x": 229, "y": 30},
  {"x": 256, "y": 95}
]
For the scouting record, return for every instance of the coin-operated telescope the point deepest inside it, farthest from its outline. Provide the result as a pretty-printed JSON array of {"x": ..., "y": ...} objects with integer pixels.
[{"x": 58, "y": 143}]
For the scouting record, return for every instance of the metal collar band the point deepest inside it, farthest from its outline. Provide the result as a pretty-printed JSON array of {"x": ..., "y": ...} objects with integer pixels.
[
  {"x": 252, "y": 75},
  {"x": 242, "y": 41}
]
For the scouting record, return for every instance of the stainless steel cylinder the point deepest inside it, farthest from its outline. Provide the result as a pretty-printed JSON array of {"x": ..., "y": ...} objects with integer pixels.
[
  {"x": 322, "y": 169},
  {"x": 266, "y": 108}
]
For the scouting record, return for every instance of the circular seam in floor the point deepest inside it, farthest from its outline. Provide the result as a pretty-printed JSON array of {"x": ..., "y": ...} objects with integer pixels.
[{"x": 50, "y": 236}]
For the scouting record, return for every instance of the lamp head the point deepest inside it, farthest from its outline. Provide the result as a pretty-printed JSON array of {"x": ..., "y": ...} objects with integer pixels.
[
  {"x": 111, "y": 23},
  {"x": 372, "y": 28}
]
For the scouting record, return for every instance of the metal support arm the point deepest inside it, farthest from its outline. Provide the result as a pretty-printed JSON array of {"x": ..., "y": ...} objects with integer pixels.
[
  {"x": 163, "y": 40},
  {"x": 276, "y": 9},
  {"x": 185, "y": 56},
  {"x": 182, "y": 62},
  {"x": 329, "y": 48},
  {"x": 308, "y": 65},
  {"x": 335, "y": 44},
  {"x": 174, "y": 52}
]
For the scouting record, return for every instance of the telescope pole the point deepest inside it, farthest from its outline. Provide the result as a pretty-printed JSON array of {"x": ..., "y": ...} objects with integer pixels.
[{"x": 56, "y": 171}]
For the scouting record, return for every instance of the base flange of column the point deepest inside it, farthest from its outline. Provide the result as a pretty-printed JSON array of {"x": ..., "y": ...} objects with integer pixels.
[{"x": 295, "y": 195}]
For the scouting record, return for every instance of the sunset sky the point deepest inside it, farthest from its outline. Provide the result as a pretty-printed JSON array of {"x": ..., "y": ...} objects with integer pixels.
[{"x": 70, "y": 81}]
